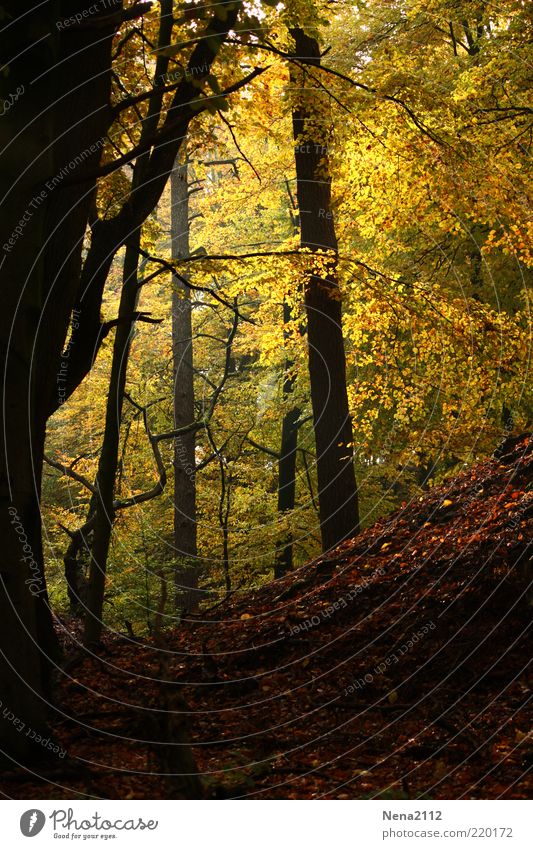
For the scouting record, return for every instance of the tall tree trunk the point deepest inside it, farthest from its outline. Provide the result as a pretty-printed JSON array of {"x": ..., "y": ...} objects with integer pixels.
[
  {"x": 337, "y": 489},
  {"x": 108, "y": 463},
  {"x": 52, "y": 130},
  {"x": 185, "y": 528},
  {"x": 287, "y": 464},
  {"x": 289, "y": 436}
]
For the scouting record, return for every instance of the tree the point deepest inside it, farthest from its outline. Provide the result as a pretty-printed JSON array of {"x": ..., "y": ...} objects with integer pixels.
[
  {"x": 289, "y": 436},
  {"x": 54, "y": 131},
  {"x": 185, "y": 527},
  {"x": 287, "y": 467},
  {"x": 337, "y": 489},
  {"x": 415, "y": 245},
  {"x": 108, "y": 463}
]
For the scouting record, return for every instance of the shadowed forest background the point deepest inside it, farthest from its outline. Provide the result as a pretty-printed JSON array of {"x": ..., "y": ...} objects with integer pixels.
[{"x": 266, "y": 337}]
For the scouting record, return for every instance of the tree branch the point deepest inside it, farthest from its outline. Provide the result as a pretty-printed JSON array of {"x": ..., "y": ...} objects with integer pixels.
[
  {"x": 263, "y": 448},
  {"x": 191, "y": 109},
  {"x": 302, "y": 61},
  {"x": 160, "y": 484},
  {"x": 167, "y": 265},
  {"x": 69, "y": 472}
]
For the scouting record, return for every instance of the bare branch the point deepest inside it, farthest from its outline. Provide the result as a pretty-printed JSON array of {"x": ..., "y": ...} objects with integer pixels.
[
  {"x": 237, "y": 145},
  {"x": 69, "y": 472},
  {"x": 160, "y": 484},
  {"x": 263, "y": 448},
  {"x": 166, "y": 265}
]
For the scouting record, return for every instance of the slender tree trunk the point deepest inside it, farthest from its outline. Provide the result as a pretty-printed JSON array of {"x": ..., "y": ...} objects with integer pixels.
[
  {"x": 108, "y": 463},
  {"x": 287, "y": 487},
  {"x": 223, "y": 515},
  {"x": 289, "y": 438},
  {"x": 477, "y": 238},
  {"x": 185, "y": 528},
  {"x": 337, "y": 489},
  {"x": 287, "y": 464},
  {"x": 80, "y": 542}
]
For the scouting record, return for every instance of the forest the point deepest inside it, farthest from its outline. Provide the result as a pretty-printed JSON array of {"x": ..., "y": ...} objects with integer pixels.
[{"x": 265, "y": 466}]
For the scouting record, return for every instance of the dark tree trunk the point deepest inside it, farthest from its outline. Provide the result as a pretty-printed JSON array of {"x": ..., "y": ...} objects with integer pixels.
[
  {"x": 73, "y": 574},
  {"x": 53, "y": 129},
  {"x": 79, "y": 545},
  {"x": 289, "y": 436},
  {"x": 108, "y": 463},
  {"x": 477, "y": 238},
  {"x": 287, "y": 465},
  {"x": 185, "y": 528},
  {"x": 337, "y": 490}
]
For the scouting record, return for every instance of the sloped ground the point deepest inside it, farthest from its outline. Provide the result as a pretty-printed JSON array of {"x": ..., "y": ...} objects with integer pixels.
[{"x": 399, "y": 667}]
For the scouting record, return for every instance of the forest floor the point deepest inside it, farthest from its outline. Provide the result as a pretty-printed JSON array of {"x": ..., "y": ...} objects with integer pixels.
[{"x": 398, "y": 668}]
